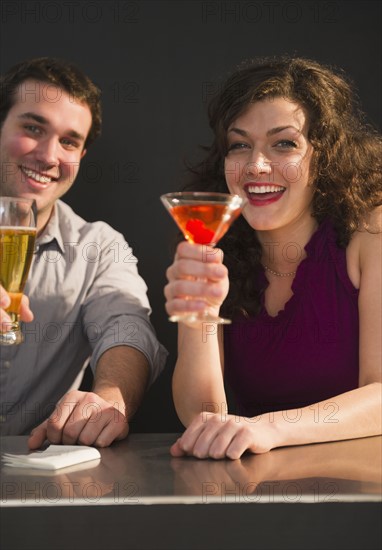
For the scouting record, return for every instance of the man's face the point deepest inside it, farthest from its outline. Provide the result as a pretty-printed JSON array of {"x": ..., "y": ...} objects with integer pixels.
[{"x": 41, "y": 144}]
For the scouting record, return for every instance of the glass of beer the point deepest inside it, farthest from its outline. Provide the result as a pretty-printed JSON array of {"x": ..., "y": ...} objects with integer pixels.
[{"x": 17, "y": 238}]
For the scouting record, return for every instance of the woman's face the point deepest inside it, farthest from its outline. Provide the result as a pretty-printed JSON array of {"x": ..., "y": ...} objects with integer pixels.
[{"x": 268, "y": 162}]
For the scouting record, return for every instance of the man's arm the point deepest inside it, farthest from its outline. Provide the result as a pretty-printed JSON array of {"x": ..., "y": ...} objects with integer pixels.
[
  {"x": 121, "y": 377},
  {"x": 101, "y": 416},
  {"x": 115, "y": 316}
]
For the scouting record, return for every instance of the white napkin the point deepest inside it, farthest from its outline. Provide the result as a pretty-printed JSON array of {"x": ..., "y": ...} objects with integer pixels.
[{"x": 53, "y": 458}]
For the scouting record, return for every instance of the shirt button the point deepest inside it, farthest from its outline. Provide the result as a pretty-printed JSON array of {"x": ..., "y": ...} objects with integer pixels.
[{"x": 7, "y": 364}]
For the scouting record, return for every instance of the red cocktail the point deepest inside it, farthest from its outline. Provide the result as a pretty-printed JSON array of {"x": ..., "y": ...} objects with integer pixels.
[{"x": 203, "y": 219}]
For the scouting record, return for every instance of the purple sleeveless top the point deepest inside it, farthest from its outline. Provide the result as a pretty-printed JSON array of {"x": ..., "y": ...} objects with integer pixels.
[{"x": 309, "y": 351}]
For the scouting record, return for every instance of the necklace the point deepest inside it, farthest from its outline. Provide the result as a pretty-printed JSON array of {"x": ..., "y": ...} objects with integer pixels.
[{"x": 277, "y": 273}]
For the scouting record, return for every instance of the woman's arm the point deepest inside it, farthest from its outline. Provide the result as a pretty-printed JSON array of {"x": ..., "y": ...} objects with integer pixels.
[
  {"x": 198, "y": 379},
  {"x": 198, "y": 385}
]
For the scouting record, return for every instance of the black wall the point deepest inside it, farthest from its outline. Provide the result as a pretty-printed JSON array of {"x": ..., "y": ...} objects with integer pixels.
[{"x": 157, "y": 63}]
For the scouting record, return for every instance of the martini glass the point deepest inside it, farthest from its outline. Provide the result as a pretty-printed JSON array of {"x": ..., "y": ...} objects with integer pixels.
[{"x": 203, "y": 218}]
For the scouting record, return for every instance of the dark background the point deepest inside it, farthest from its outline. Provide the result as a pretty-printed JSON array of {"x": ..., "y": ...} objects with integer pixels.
[{"x": 157, "y": 63}]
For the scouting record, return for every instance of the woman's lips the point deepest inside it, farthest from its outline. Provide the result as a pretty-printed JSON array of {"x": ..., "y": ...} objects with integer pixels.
[{"x": 262, "y": 194}]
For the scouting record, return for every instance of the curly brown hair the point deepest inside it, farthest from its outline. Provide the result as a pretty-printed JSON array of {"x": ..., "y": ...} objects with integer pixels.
[
  {"x": 346, "y": 164},
  {"x": 57, "y": 72}
]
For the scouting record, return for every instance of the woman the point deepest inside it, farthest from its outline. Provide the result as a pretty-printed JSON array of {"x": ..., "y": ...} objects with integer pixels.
[{"x": 302, "y": 275}]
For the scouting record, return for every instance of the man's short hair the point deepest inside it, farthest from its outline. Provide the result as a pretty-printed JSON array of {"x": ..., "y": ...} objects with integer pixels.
[{"x": 58, "y": 73}]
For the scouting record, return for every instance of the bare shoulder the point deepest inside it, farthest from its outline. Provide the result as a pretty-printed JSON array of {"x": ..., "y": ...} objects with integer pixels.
[
  {"x": 364, "y": 252},
  {"x": 370, "y": 236}
]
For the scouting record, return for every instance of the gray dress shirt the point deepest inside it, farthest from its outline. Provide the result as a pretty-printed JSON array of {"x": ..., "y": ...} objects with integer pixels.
[{"x": 86, "y": 296}]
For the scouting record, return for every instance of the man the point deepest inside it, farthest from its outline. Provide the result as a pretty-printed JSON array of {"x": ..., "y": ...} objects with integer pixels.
[{"x": 85, "y": 293}]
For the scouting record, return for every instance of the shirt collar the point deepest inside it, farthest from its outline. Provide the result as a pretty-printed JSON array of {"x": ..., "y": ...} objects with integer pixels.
[{"x": 52, "y": 231}]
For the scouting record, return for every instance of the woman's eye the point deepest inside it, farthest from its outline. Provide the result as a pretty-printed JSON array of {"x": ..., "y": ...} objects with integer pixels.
[
  {"x": 286, "y": 144},
  {"x": 237, "y": 146}
]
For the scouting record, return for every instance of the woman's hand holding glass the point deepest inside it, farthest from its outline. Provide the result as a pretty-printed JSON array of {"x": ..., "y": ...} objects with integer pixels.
[{"x": 196, "y": 277}]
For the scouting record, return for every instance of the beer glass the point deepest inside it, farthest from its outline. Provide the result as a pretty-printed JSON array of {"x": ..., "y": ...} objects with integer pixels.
[{"x": 17, "y": 238}]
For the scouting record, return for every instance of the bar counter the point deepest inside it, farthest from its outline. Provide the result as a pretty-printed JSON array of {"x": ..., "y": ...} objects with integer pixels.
[{"x": 323, "y": 496}]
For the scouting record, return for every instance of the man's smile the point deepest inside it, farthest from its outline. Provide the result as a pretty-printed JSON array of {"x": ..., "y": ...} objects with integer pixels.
[{"x": 37, "y": 176}]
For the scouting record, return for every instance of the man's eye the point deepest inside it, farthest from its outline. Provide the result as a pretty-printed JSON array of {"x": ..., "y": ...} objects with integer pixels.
[
  {"x": 32, "y": 129},
  {"x": 69, "y": 143}
]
